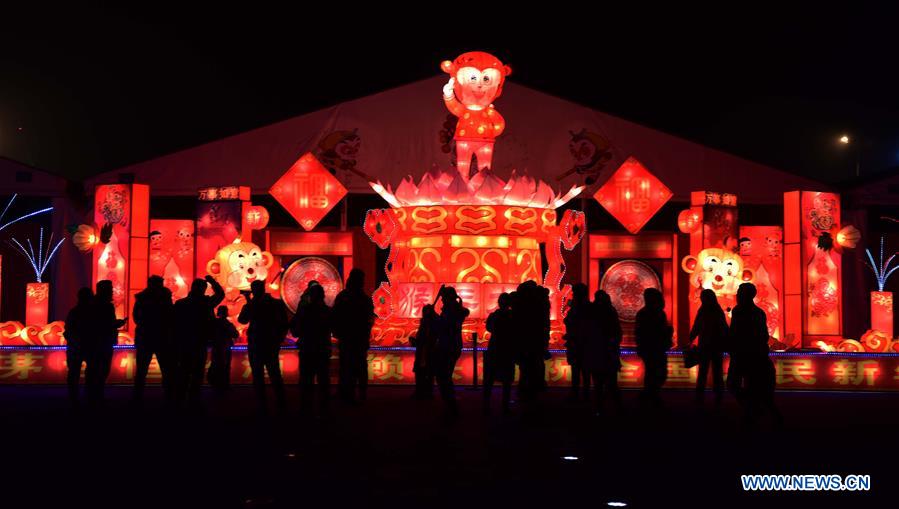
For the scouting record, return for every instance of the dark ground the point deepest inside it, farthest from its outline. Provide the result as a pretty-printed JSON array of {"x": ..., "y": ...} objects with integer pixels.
[{"x": 399, "y": 453}]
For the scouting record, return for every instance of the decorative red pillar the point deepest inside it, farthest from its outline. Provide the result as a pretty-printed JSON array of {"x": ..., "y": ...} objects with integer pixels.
[{"x": 882, "y": 312}]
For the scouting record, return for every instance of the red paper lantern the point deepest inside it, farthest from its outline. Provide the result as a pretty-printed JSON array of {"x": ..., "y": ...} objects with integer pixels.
[
  {"x": 689, "y": 220},
  {"x": 308, "y": 191},
  {"x": 633, "y": 195},
  {"x": 256, "y": 217}
]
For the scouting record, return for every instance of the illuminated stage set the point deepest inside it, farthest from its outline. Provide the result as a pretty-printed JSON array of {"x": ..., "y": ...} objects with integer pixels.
[{"x": 629, "y": 209}]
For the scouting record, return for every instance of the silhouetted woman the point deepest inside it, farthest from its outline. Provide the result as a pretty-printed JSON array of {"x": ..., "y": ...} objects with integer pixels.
[
  {"x": 312, "y": 327},
  {"x": 752, "y": 370},
  {"x": 653, "y": 335},
  {"x": 449, "y": 344},
  {"x": 602, "y": 350},
  {"x": 78, "y": 323},
  {"x": 580, "y": 327},
  {"x": 499, "y": 361},
  {"x": 104, "y": 333},
  {"x": 710, "y": 326}
]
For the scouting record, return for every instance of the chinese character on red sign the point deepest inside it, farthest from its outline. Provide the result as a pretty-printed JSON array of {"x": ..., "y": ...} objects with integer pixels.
[
  {"x": 633, "y": 195},
  {"x": 308, "y": 191}
]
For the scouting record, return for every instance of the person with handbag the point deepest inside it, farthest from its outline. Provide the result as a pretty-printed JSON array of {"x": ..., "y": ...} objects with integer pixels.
[{"x": 707, "y": 344}]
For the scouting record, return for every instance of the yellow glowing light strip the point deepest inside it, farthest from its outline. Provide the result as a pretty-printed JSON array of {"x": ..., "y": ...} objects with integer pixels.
[
  {"x": 426, "y": 242},
  {"x": 480, "y": 241}
]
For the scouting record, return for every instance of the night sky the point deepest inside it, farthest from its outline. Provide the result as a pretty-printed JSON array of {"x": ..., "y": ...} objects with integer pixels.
[{"x": 92, "y": 90}]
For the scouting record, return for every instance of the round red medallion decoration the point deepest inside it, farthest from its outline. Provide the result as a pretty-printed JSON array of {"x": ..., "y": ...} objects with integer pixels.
[
  {"x": 298, "y": 275},
  {"x": 625, "y": 282}
]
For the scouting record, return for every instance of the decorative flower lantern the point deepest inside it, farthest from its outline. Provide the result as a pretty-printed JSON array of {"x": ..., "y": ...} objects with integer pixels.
[
  {"x": 689, "y": 220},
  {"x": 85, "y": 238},
  {"x": 37, "y": 294},
  {"x": 881, "y": 301}
]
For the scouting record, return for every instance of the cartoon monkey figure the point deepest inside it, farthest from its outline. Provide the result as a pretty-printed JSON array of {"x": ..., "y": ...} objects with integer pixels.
[
  {"x": 237, "y": 265},
  {"x": 338, "y": 149},
  {"x": 591, "y": 151},
  {"x": 476, "y": 80},
  {"x": 719, "y": 270}
]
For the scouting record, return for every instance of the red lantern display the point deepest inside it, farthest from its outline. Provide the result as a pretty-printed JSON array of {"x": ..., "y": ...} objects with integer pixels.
[
  {"x": 476, "y": 80},
  {"x": 256, "y": 217},
  {"x": 633, "y": 195},
  {"x": 308, "y": 191},
  {"x": 689, "y": 220},
  {"x": 882, "y": 312},
  {"x": 37, "y": 303}
]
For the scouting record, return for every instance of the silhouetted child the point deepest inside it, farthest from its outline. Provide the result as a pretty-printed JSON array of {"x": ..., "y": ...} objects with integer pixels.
[
  {"x": 423, "y": 341},
  {"x": 499, "y": 361},
  {"x": 223, "y": 336}
]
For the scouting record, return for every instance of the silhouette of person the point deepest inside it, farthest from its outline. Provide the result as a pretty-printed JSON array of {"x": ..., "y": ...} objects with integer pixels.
[
  {"x": 192, "y": 329},
  {"x": 223, "y": 336},
  {"x": 423, "y": 341},
  {"x": 602, "y": 350},
  {"x": 449, "y": 345},
  {"x": 530, "y": 312},
  {"x": 268, "y": 328},
  {"x": 77, "y": 334},
  {"x": 499, "y": 361},
  {"x": 653, "y": 336},
  {"x": 311, "y": 325},
  {"x": 710, "y": 327},
  {"x": 152, "y": 315},
  {"x": 751, "y": 371},
  {"x": 103, "y": 334},
  {"x": 354, "y": 315},
  {"x": 580, "y": 327}
]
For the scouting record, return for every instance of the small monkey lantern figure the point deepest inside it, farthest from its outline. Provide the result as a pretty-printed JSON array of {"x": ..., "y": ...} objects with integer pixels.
[{"x": 476, "y": 80}]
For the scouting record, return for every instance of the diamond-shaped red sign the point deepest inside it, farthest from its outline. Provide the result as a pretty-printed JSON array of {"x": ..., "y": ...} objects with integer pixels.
[
  {"x": 308, "y": 191},
  {"x": 633, "y": 195}
]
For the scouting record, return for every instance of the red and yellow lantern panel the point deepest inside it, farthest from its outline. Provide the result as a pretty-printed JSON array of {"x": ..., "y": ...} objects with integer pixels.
[
  {"x": 308, "y": 191},
  {"x": 633, "y": 195}
]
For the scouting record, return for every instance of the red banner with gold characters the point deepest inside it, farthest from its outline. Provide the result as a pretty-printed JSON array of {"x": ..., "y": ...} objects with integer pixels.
[{"x": 811, "y": 371}]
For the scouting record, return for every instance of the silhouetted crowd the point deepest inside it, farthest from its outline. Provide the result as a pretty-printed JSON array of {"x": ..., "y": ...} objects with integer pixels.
[{"x": 185, "y": 333}]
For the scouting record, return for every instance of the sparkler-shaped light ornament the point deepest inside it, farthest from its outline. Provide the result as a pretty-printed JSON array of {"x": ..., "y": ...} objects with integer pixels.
[
  {"x": 16, "y": 220},
  {"x": 41, "y": 258},
  {"x": 882, "y": 272}
]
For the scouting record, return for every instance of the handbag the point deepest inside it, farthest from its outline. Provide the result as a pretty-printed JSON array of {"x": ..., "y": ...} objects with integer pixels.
[{"x": 691, "y": 357}]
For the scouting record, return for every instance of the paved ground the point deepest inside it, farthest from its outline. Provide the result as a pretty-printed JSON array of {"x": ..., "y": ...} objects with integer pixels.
[{"x": 395, "y": 452}]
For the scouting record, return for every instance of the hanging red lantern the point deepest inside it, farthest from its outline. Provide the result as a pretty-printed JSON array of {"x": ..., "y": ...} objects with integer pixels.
[
  {"x": 256, "y": 217},
  {"x": 85, "y": 237},
  {"x": 689, "y": 220}
]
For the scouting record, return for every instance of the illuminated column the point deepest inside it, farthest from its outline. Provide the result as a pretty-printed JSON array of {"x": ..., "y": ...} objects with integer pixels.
[
  {"x": 221, "y": 217},
  {"x": 124, "y": 211},
  {"x": 812, "y": 280},
  {"x": 37, "y": 302}
]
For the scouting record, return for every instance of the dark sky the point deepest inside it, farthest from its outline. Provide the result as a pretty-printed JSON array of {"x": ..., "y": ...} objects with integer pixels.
[{"x": 84, "y": 91}]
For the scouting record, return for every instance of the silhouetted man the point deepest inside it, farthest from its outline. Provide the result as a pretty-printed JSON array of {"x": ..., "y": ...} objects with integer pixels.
[
  {"x": 602, "y": 354},
  {"x": 77, "y": 334},
  {"x": 449, "y": 345},
  {"x": 653, "y": 336},
  {"x": 530, "y": 312},
  {"x": 580, "y": 327},
  {"x": 268, "y": 328},
  {"x": 192, "y": 330},
  {"x": 103, "y": 335},
  {"x": 424, "y": 340},
  {"x": 751, "y": 372},
  {"x": 311, "y": 325},
  {"x": 354, "y": 315},
  {"x": 153, "y": 319},
  {"x": 499, "y": 360}
]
